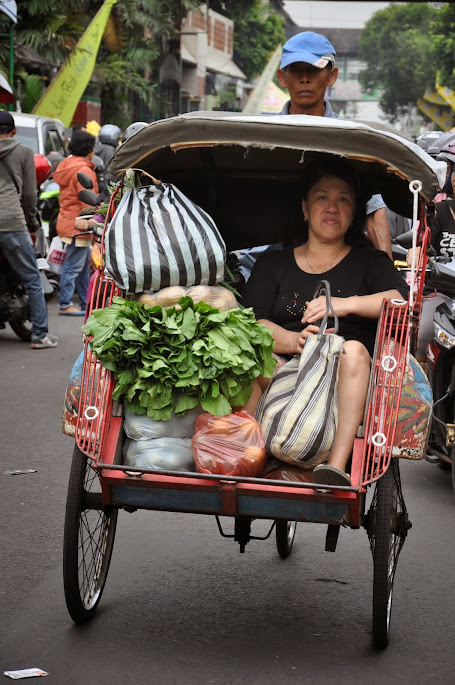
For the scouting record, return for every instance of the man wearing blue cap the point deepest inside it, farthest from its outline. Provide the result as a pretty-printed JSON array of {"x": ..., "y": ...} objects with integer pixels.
[{"x": 306, "y": 70}]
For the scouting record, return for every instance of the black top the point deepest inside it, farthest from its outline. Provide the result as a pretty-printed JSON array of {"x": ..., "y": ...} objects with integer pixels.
[
  {"x": 278, "y": 289},
  {"x": 443, "y": 228}
]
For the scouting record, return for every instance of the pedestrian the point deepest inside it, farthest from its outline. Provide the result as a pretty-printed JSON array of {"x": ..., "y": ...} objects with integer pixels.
[
  {"x": 17, "y": 218},
  {"x": 76, "y": 273},
  {"x": 306, "y": 70}
]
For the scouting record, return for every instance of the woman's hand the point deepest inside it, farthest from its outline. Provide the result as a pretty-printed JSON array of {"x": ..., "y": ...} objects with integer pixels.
[
  {"x": 315, "y": 309},
  {"x": 300, "y": 338}
]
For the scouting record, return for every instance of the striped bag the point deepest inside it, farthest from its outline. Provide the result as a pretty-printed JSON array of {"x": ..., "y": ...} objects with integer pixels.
[
  {"x": 158, "y": 238},
  {"x": 298, "y": 413}
]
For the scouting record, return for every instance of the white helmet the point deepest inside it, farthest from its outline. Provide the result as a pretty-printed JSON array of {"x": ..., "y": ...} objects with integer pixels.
[{"x": 133, "y": 129}]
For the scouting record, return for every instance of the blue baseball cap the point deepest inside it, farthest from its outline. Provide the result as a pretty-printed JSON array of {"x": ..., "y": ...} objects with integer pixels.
[{"x": 309, "y": 47}]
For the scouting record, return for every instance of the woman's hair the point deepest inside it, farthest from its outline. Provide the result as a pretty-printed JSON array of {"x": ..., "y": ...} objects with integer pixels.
[
  {"x": 342, "y": 169},
  {"x": 81, "y": 143}
]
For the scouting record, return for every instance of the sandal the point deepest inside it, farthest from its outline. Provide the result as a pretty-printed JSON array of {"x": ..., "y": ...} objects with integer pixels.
[
  {"x": 71, "y": 311},
  {"x": 325, "y": 474}
]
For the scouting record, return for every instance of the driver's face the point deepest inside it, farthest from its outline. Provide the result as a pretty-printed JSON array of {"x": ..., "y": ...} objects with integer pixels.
[{"x": 306, "y": 85}]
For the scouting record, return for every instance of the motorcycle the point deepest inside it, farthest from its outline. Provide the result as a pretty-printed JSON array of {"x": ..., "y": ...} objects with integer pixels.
[
  {"x": 14, "y": 306},
  {"x": 441, "y": 368},
  {"x": 440, "y": 355}
]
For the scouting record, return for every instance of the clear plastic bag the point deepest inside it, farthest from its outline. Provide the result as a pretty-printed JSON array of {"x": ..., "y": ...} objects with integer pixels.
[
  {"x": 214, "y": 295},
  {"x": 229, "y": 445},
  {"x": 142, "y": 427},
  {"x": 169, "y": 454}
]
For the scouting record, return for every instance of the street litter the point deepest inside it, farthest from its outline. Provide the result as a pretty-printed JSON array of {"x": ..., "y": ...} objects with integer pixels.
[
  {"x": 14, "y": 473},
  {"x": 25, "y": 673}
]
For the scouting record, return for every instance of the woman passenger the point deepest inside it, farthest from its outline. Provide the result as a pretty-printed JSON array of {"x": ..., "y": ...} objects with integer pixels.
[{"x": 334, "y": 248}]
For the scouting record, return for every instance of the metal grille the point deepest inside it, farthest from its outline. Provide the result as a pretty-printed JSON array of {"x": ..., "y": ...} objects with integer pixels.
[
  {"x": 387, "y": 374},
  {"x": 95, "y": 406}
]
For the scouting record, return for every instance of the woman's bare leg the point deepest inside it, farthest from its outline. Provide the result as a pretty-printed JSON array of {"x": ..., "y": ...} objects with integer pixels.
[
  {"x": 259, "y": 385},
  {"x": 353, "y": 379}
]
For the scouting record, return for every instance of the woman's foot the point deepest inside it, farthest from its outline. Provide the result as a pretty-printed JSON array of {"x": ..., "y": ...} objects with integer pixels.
[{"x": 325, "y": 474}]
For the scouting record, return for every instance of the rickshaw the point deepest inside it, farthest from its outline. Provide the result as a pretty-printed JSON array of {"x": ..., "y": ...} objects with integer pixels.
[{"x": 245, "y": 170}]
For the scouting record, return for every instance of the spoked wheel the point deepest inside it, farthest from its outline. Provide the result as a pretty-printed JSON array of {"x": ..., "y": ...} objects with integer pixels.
[
  {"x": 285, "y": 534},
  {"x": 387, "y": 526},
  {"x": 88, "y": 540}
]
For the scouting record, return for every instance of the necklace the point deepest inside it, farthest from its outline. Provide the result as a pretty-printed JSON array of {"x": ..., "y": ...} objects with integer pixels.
[{"x": 329, "y": 266}]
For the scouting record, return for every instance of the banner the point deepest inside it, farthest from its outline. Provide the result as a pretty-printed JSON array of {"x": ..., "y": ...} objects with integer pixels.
[
  {"x": 256, "y": 98},
  {"x": 443, "y": 116},
  {"x": 9, "y": 8},
  {"x": 62, "y": 97}
]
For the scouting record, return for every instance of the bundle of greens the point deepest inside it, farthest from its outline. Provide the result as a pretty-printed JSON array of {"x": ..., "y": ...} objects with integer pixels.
[{"x": 171, "y": 360}]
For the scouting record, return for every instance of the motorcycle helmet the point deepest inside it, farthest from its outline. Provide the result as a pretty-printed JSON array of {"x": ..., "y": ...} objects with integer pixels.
[
  {"x": 447, "y": 154},
  {"x": 435, "y": 148},
  {"x": 54, "y": 158},
  {"x": 43, "y": 169},
  {"x": 110, "y": 134},
  {"x": 133, "y": 129},
  {"x": 428, "y": 139}
]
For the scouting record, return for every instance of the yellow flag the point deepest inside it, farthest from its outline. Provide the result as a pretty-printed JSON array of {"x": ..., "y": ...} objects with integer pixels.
[
  {"x": 62, "y": 97},
  {"x": 442, "y": 116}
]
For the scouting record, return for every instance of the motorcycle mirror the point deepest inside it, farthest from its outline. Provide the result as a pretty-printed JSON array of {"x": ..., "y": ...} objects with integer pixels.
[
  {"x": 88, "y": 197},
  {"x": 405, "y": 239},
  {"x": 85, "y": 181}
]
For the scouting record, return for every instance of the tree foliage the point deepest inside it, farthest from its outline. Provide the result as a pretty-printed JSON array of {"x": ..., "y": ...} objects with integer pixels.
[
  {"x": 443, "y": 35},
  {"x": 257, "y": 32},
  {"x": 396, "y": 45},
  {"x": 132, "y": 46}
]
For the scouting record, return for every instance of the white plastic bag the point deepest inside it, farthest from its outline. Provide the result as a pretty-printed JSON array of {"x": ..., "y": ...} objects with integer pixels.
[
  {"x": 144, "y": 428},
  {"x": 169, "y": 454},
  {"x": 57, "y": 255}
]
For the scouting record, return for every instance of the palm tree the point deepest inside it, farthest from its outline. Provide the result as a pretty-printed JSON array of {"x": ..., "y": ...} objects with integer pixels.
[{"x": 131, "y": 51}]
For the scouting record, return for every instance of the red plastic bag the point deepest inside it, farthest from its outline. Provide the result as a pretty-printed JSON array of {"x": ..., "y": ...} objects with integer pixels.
[{"x": 229, "y": 445}]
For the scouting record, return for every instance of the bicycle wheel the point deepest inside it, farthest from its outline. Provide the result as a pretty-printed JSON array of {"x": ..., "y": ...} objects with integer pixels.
[
  {"x": 285, "y": 534},
  {"x": 387, "y": 528},
  {"x": 88, "y": 540}
]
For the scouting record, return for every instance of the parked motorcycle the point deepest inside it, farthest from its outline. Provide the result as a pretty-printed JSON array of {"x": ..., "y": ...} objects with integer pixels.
[
  {"x": 441, "y": 369},
  {"x": 14, "y": 306},
  {"x": 440, "y": 355}
]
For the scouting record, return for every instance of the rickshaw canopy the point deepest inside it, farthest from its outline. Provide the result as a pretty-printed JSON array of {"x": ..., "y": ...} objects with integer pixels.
[{"x": 246, "y": 171}]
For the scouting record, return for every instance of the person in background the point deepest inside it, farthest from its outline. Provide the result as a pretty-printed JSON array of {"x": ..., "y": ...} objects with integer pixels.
[
  {"x": 17, "y": 218},
  {"x": 76, "y": 273},
  {"x": 307, "y": 69},
  {"x": 108, "y": 142}
]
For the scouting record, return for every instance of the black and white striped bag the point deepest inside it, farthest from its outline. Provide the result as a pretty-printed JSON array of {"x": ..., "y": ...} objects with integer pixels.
[
  {"x": 298, "y": 413},
  {"x": 158, "y": 238}
]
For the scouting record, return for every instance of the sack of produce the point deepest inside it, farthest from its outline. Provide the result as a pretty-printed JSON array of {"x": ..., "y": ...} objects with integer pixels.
[
  {"x": 215, "y": 295},
  {"x": 144, "y": 428},
  {"x": 159, "y": 238},
  {"x": 229, "y": 445},
  {"x": 168, "y": 361},
  {"x": 168, "y": 454}
]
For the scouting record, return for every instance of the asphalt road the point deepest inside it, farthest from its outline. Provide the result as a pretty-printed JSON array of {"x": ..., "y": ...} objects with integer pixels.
[{"x": 181, "y": 605}]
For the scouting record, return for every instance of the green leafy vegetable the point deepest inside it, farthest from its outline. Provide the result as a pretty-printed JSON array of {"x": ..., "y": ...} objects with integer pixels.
[{"x": 170, "y": 360}]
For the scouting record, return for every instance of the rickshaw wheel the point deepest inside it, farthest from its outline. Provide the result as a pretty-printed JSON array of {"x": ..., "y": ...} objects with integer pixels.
[
  {"x": 88, "y": 540},
  {"x": 387, "y": 527},
  {"x": 285, "y": 534}
]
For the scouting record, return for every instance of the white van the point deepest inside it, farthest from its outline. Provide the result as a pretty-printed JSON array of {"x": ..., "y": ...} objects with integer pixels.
[{"x": 42, "y": 134}]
